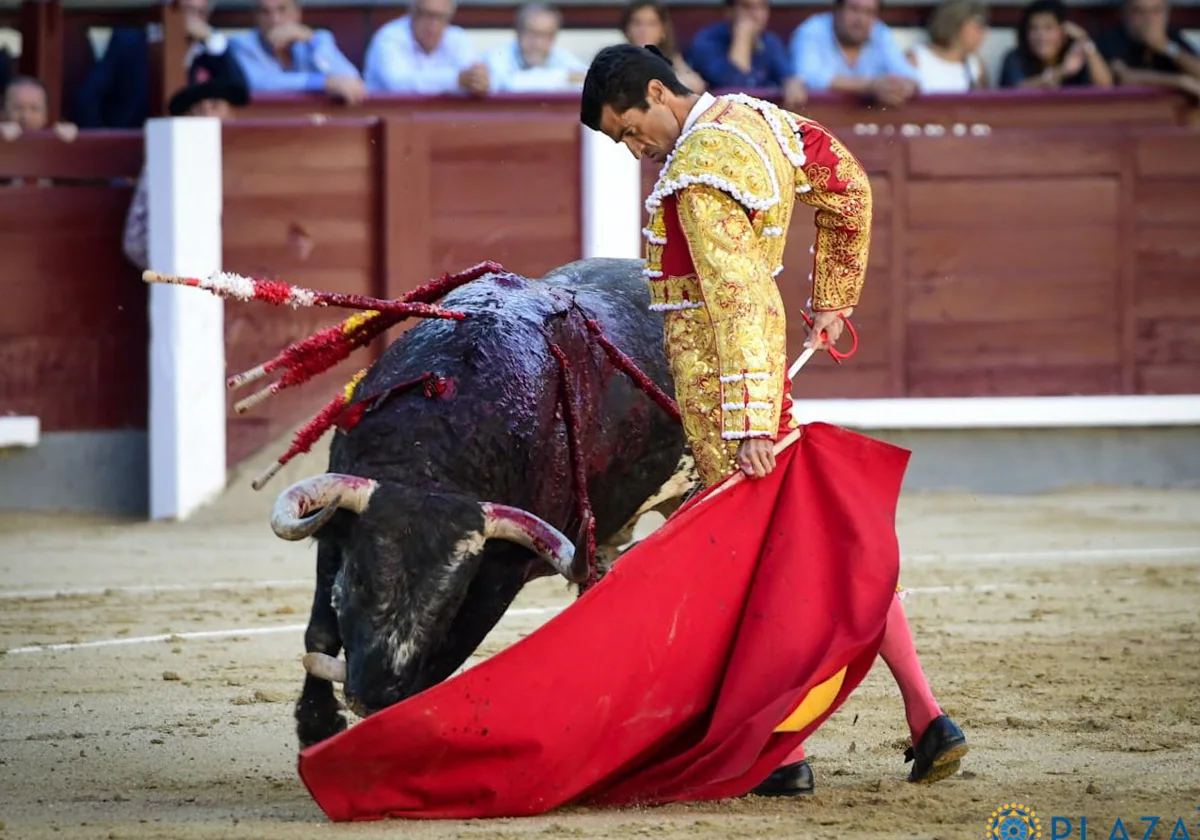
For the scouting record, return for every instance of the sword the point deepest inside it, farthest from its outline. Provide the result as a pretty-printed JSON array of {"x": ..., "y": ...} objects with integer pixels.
[{"x": 799, "y": 363}]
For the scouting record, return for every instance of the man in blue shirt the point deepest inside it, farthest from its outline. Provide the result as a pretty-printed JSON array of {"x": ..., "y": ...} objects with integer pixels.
[
  {"x": 851, "y": 50},
  {"x": 423, "y": 53},
  {"x": 285, "y": 56},
  {"x": 739, "y": 53},
  {"x": 532, "y": 62}
]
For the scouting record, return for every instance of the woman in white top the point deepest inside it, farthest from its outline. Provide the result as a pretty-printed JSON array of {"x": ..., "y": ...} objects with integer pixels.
[{"x": 950, "y": 62}]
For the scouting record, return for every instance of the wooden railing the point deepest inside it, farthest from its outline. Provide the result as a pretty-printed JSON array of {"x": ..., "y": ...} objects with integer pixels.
[
  {"x": 992, "y": 108},
  {"x": 378, "y": 207},
  {"x": 1024, "y": 261},
  {"x": 73, "y": 330}
]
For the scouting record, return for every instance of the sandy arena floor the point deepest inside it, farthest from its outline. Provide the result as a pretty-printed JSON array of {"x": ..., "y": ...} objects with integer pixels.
[{"x": 1061, "y": 631}]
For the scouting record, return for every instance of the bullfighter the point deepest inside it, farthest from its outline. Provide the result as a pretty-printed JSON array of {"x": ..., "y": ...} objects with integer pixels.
[{"x": 732, "y": 169}]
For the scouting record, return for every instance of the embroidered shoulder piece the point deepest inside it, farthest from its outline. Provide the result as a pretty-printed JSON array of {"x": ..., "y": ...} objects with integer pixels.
[{"x": 723, "y": 156}]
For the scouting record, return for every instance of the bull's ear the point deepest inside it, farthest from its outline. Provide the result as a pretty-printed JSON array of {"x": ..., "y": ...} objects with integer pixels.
[{"x": 581, "y": 563}]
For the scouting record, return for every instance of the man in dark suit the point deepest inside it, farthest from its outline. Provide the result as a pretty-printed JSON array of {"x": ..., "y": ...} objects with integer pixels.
[
  {"x": 6, "y": 69},
  {"x": 210, "y": 92},
  {"x": 116, "y": 92}
]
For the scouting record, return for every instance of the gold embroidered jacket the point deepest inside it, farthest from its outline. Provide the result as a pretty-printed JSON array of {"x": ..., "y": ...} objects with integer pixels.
[{"x": 719, "y": 215}]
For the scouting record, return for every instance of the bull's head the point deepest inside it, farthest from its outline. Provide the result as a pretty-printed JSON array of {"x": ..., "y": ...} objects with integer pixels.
[{"x": 422, "y": 577}]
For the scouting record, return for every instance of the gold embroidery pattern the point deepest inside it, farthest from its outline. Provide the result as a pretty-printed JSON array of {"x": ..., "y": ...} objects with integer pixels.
[
  {"x": 691, "y": 348},
  {"x": 818, "y": 175},
  {"x": 843, "y": 220},
  {"x": 743, "y": 309},
  {"x": 739, "y": 155}
]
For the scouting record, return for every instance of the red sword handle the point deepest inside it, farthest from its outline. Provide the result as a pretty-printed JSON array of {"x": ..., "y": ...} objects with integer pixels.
[{"x": 835, "y": 354}]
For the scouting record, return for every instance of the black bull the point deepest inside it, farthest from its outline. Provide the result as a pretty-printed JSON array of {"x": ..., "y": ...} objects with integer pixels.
[{"x": 442, "y": 503}]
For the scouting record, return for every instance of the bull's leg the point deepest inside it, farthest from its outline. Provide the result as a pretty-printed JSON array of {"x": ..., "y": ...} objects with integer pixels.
[
  {"x": 669, "y": 498},
  {"x": 318, "y": 713}
]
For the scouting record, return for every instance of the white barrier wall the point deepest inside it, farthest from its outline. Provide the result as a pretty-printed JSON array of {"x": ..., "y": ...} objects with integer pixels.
[
  {"x": 612, "y": 198},
  {"x": 187, "y": 326}
]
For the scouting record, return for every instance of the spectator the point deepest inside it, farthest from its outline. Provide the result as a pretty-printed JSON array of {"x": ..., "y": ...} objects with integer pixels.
[
  {"x": 950, "y": 62},
  {"x": 1144, "y": 49},
  {"x": 647, "y": 22},
  {"x": 423, "y": 53},
  {"x": 211, "y": 92},
  {"x": 116, "y": 91},
  {"x": 284, "y": 56},
  {"x": 740, "y": 52},
  {"x": 1052, "y": 52},
  {"x": 851, "y": 50},
  {"x": 27, "y": 108},
  {"x": 6, "y": 71},
  {"x": 532, "y": 62}
]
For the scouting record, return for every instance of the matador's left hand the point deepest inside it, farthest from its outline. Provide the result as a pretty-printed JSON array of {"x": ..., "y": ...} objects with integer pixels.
[
  {"x": 831, "y": 324},
  {"x": 756, "y": 456}
]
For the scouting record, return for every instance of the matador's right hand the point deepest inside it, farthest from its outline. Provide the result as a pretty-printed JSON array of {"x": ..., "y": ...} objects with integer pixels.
[{"x": 827, "y": 328}]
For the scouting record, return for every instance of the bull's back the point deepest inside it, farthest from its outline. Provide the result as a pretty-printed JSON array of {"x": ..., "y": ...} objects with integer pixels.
[{"x": 498, "y": 422}]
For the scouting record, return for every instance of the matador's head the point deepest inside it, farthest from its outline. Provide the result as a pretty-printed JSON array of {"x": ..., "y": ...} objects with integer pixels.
[{"x": 632, "y": 95}]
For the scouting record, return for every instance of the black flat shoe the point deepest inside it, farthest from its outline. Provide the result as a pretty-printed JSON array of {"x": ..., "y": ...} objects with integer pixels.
[
  {"x": 939, "y": 753},
  {"x": 788, "y": 780}
]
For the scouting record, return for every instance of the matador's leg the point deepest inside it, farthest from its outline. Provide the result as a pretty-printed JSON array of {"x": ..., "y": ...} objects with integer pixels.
[{"x": 938, "y": 744}]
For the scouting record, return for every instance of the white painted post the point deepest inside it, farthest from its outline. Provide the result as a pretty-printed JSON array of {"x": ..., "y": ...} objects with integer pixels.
[
  {"x": 612, "y": 198},
  {"x": 187, "y": 326}
]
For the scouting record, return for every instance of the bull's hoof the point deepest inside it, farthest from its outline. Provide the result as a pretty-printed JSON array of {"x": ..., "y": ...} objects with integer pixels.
[
  {"x": 318, "y": 720},
  {"x": 939, "y": 753},
  {"x": 314, "y": 731},
  {"x": 789, "y": 780}
]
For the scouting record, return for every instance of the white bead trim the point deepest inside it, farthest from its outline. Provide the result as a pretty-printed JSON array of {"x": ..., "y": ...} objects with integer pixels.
[
  {"x": 671, "y": 307},
  {"x": 773, "y": 231},
  {"x": 651, "y": 273},
  {"x": 741, "y": 435},
  {"x": 653, "y": 238},
  {"x": 772, "y": 114},
  {"x": 666, "y": 186},
  {"x": 742, "y": 406},
  {"x": 777, "y": 271},
  {"x": 738, "y": 377}
]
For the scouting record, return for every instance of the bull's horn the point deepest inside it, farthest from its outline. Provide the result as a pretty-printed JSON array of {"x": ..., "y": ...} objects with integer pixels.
[
  {"x": 325, "y": 667},
  {"x": 307, "y": 505},
  {"x": 502, "y": 522}
]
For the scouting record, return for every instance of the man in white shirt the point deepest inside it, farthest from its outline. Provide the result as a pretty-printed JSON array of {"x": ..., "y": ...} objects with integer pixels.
[
  {"x": 422, "y": 53},
  {"x": 531, "y": 62}
]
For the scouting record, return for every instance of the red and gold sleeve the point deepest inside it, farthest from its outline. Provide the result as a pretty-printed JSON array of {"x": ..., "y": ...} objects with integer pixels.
[
  {"x": 733, "y": 277},
  {"x": 835, "y": 183}
]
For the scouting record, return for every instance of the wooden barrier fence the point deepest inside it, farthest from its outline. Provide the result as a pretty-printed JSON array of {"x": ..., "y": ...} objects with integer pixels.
[{"x": 1028, "y": 261}]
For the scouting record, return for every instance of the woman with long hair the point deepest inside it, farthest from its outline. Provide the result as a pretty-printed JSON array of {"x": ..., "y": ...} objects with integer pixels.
[
  {"x": 1053, "y": 52},
  {"x": 647, "y": 22}
]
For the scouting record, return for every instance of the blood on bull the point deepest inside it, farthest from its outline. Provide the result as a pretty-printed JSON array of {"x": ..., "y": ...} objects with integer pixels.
[{"x": 461, "y": 476}]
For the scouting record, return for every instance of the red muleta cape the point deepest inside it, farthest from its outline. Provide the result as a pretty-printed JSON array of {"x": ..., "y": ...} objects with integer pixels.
[{"x": 669, "y": 679}]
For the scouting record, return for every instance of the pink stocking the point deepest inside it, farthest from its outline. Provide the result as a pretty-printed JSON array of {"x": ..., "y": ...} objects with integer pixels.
[
  {"x": 900, "y": 654},
  {"x": 794, "y": 757}
]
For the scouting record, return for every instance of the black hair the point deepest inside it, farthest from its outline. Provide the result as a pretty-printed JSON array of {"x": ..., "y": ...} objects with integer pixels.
[
  {"x": 618, "y": 78},
  {"x": 1031, "y": 65}
]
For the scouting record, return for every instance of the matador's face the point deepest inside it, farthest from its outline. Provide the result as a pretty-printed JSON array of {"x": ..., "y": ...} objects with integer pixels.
[{"x": 650, "y": 133}]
